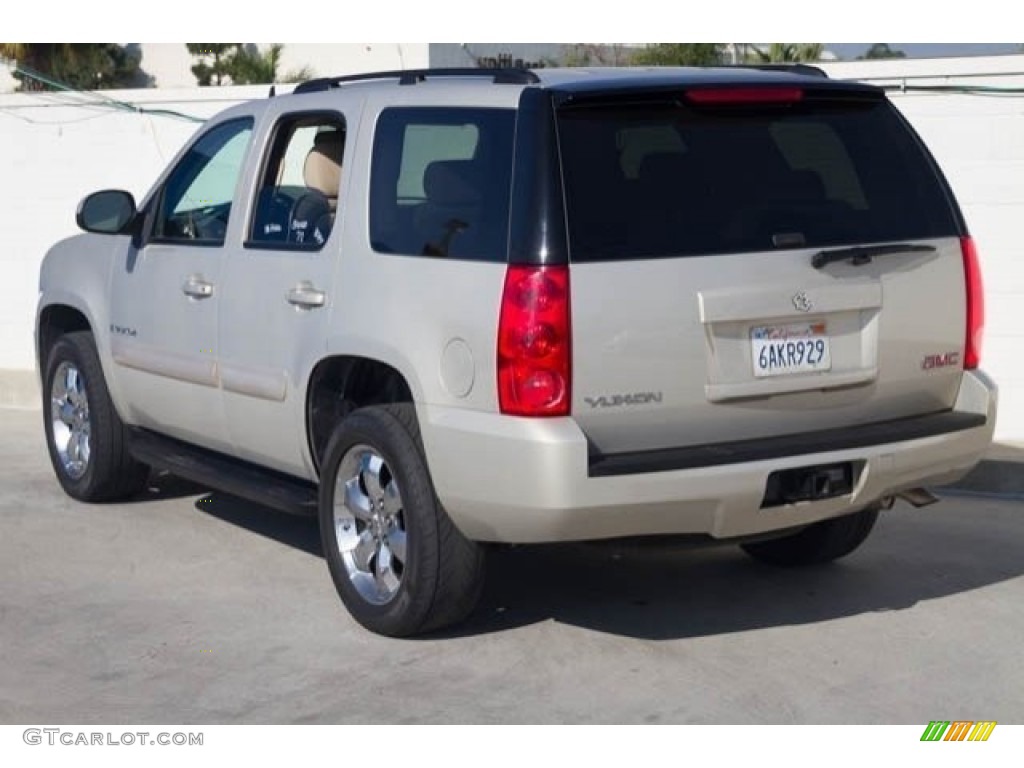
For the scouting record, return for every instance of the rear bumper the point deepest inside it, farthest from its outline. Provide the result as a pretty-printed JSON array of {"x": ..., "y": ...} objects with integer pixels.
[{"x": 532, "y": 480}]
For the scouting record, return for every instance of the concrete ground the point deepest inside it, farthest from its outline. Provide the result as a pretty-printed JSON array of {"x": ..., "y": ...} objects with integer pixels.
[{"x": 188, "y": 607}]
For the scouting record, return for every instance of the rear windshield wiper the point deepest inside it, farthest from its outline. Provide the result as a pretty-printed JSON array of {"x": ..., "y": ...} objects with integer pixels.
[{"x": 862, "y": 254}]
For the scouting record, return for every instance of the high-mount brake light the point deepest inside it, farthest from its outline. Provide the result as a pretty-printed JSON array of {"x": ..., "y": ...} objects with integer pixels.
[{"x": 728, "y": 96}]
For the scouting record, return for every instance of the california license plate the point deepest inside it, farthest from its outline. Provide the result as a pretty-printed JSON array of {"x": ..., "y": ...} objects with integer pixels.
[{"x": 779, "y": 350}]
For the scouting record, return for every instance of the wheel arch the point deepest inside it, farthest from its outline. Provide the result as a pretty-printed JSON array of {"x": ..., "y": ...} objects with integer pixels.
[
  {"x": 56, "y": 319},
  {"x": 340, "y": 384}
]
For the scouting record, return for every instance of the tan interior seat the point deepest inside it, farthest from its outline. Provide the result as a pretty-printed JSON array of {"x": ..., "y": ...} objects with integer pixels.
[{"x": 322, "y": 170}]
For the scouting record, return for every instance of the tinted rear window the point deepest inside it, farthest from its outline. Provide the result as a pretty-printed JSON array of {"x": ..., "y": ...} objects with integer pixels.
[
  {"x": 649, "y": 181},
  {"x": 440, "y": 182}
]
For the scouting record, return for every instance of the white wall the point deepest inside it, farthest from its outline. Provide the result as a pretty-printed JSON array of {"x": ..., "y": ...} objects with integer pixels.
[
  {"x": 53, "y": 151},
  {"x": 979, "y": 142}
]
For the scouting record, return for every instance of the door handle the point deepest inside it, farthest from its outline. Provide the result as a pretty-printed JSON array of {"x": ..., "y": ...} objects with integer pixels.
[
  {"x": 304, "y": 295},
  {"x": 197, "y": 288}
]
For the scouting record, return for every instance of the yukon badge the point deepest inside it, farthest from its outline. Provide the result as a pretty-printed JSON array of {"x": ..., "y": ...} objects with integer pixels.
[
  {"x": 613, "y": 401},
  {"x": 802, "y": 302}
]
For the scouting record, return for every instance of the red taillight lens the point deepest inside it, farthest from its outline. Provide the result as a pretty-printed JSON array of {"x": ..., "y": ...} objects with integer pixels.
[
  {"x": 534, "y": 342},
  {"x": 726, "y": 96},
  {"x": 975, "y": 304}
]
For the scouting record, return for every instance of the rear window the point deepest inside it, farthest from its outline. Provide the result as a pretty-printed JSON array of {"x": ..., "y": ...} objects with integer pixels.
[
  {"x": 440, "y": 182},
  {"x": 649, "y": 181}
]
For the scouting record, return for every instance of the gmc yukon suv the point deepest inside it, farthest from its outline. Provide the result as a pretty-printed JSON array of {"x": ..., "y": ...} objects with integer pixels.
[{"x": 442, "y": 309}]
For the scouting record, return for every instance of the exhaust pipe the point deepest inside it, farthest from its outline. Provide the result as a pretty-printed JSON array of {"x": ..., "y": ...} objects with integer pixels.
[{"x": 918, "y": 497}]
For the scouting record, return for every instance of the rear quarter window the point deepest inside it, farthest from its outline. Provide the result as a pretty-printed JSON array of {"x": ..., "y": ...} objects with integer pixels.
[
  {"x": 679, "y": 180},
  {"x": 440, "y": 182}
]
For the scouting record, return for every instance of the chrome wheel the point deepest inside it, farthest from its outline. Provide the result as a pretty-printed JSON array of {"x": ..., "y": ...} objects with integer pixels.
[
  {"x": 369, "y": 524},
  {"x": 399, "y": 564},
  {"x": 69, "y": 420}
]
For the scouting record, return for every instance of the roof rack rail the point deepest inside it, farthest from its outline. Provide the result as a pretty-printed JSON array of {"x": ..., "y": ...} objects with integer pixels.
[
  {"x": 797, "y": 69},
  {"x": 504, "y": 75}
]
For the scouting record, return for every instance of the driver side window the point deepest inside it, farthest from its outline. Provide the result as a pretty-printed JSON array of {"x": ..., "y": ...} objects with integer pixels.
[
  {"x": 195, "y": 203},
  {"x": 297, "y": 201}
]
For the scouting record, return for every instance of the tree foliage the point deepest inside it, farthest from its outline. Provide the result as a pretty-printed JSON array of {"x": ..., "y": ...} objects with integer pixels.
[
  {"x": 241, "y": 64},
  {"x": 87, "y": 66},
  {"x": 214, "y": 61},
  {"x": 681, "y": 54},
  {"x": 249, "y": 65},
  {"x": 785, "y": 52},
  {"x": 883, "y": 51},
  {"x": 592, "y": 55}
]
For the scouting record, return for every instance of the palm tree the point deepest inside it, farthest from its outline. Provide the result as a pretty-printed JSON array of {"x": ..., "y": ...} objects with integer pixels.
[
  {"x": 250, "y": 65},
  {"x": 242, "y": 64},
  {"x": 785, "y": 52}
]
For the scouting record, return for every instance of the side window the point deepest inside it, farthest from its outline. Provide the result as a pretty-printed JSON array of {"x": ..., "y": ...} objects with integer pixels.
[
  {"x": 195, "y": 203},
  {"x": 297, "y": 195},
  {"x": 440, "y": 182}
]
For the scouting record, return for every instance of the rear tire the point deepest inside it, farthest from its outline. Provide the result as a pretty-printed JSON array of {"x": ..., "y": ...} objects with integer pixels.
[
  {"x": 819, "y": 543},
  {"x": 86, "y": 439},
  {"x": 400, "y": 565}
]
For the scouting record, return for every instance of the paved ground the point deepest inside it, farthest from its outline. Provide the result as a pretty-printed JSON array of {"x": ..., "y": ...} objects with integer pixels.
[{"x": 198, "y": 608}]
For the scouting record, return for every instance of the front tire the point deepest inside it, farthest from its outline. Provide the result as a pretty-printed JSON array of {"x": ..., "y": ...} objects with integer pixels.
[
  {"x": 85, "y": 436},
  {"x": 399, "y": 564},
  {"x": 819, "y": 543}
]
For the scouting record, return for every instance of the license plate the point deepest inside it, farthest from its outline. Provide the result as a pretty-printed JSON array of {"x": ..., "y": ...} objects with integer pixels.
[{"x": 778, "y": 350}]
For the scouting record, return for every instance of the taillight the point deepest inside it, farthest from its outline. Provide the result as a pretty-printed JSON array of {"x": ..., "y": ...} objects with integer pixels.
[
  {"x": 534, "y": 342},
  {"x": 975, "y": 304},
  {"x": 725, "y": 96}
]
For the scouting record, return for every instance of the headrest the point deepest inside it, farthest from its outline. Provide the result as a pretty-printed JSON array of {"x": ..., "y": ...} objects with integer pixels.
[
  {"x": 322, "y": 170},
  {"x": 452, "y": 182}
]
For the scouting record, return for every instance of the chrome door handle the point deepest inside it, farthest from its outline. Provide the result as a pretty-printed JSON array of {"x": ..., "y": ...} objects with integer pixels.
[
  {"x": 197, "y": 288},
  {"x": 306, "y": 296}
]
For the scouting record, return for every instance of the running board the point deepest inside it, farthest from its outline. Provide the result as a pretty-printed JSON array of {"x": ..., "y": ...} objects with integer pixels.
[{"x": 224, "y": 473}]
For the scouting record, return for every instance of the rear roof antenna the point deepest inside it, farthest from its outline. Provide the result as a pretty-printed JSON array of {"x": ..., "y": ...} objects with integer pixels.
[{"x": 273, "y": 91}]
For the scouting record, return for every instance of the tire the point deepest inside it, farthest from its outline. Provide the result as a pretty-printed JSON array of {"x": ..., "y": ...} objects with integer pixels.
[
  {"x": 400, "y": 565},
  {"x": 819, "y": 543},
  {"x": 84, "y": 435}
]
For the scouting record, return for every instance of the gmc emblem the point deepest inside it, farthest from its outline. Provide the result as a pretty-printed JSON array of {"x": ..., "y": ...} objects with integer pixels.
[{"x": 940, "y": 361}]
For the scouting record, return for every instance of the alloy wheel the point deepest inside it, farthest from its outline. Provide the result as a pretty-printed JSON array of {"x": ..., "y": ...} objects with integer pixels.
[{"x": 369, "y": 524}]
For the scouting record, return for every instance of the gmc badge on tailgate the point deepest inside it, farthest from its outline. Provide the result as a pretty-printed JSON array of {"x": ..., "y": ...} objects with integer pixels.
[{"x": 940, "y": 361}]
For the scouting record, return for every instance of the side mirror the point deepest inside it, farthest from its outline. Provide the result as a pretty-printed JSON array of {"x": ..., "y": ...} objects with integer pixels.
[{"x": 107, "y": 213}]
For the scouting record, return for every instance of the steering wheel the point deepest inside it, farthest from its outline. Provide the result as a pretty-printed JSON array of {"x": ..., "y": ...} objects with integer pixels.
[
  {"x": 308, "y": 216},
  {"x": 273, "y": 208}
]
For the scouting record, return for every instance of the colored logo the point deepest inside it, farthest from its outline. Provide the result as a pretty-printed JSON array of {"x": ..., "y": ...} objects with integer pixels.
[{"x": 959, "y": 730}]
